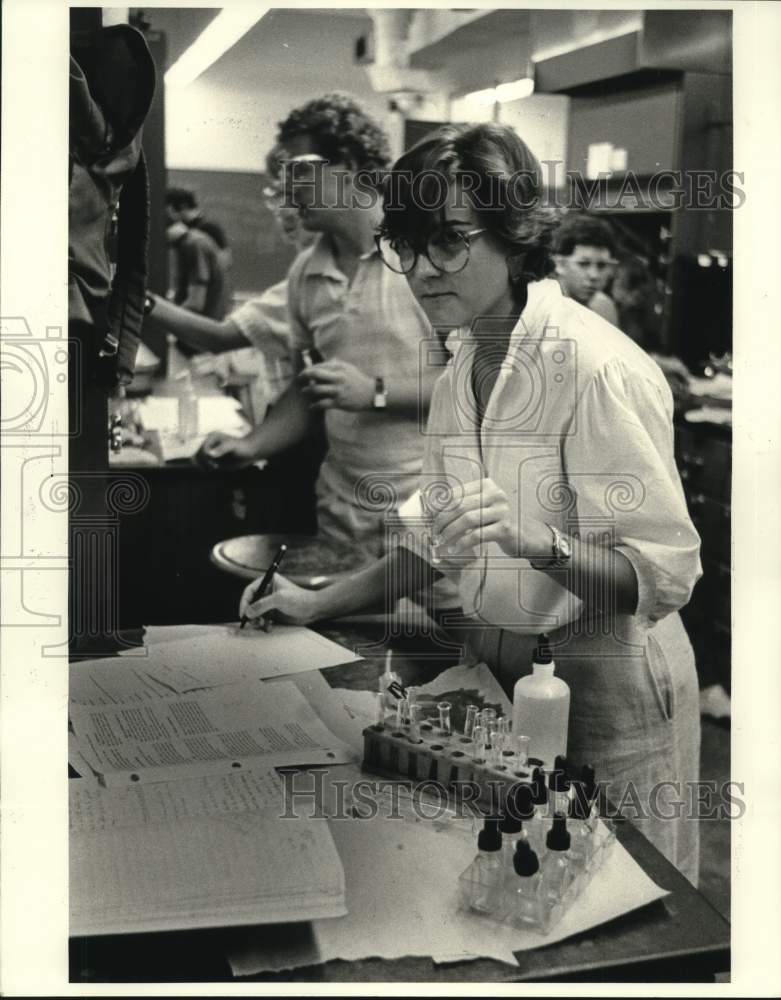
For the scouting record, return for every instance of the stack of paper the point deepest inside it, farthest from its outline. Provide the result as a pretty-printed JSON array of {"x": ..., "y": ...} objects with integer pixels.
[{"x": 203, "y": 852}]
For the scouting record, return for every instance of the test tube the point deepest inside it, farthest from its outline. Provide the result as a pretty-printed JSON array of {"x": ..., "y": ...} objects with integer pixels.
[
  {"x": 496, "y": 739},
  {"x": 444, "y": 718},
  {"x": 521, "y": 750},
  {"x": 478, "y": 735},
  {"x": 379, "y": 711},
  {"x": 469, "y": 723},
  {"x": 414, "y": 722},
  {"x": 401, "y": 713},
  {"x": 488, "y": 718}
]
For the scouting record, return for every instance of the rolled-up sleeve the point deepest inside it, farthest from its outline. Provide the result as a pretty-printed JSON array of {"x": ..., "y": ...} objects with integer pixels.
[
  {"x": 264, "y": 320},
  {"x": 619, "y": 463}
]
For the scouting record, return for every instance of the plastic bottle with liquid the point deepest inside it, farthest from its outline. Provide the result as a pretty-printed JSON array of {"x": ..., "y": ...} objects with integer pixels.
[{"x": 541, "y": 707}]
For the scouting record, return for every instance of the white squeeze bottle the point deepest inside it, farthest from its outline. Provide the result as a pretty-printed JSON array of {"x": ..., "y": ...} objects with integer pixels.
[{"x": 541, "y": 707}]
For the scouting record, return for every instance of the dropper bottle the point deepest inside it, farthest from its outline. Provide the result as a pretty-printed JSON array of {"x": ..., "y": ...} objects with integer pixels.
[
  {"x": 556, "y": 872},
  {"x": 486, "y": 870},
  {"x": 526, "y": 908}
]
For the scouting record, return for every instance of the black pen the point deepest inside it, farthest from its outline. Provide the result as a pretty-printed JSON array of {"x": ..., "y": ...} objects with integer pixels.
[{"x": 265, "y": 583}]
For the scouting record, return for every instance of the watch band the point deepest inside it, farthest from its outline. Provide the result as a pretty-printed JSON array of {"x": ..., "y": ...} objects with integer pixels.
[{"x": 560, "y": 551}]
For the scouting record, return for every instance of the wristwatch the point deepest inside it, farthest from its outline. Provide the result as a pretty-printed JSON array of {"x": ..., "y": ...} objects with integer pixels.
[
  {"x": 380, "y": 395},
  {"x": 561, "y": 551}
]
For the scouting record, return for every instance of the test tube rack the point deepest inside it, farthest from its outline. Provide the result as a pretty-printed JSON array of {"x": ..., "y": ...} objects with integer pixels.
[
  {"x": 433, "y": 756},
  {"x": 541, "y": 909}
]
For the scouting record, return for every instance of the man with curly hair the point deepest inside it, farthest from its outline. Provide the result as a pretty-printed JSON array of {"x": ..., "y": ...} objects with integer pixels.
[{"x": 360, "y": 324}]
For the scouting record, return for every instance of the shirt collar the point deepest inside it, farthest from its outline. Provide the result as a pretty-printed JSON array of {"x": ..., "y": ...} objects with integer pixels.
[
  {"x": 541, "y": 298},
  {"x": 322, "y": 261}
]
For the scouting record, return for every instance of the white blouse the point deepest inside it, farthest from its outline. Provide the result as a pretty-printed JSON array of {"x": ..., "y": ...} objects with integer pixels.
[{"x": 578, "y": 433}]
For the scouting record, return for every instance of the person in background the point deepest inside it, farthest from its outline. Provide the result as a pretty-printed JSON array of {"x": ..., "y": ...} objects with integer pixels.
[
  {"x": 192, "y": 214},
  {"x": 201, "y": 283},
  {"x": 262, "y": 321},
  {"x": 554, "y": 500},
  {"x": 584, "y": 254},
  {"x": 360, "y": 324}
]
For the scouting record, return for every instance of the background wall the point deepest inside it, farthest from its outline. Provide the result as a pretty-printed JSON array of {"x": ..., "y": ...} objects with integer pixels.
[{"x": 227, "y": 120}]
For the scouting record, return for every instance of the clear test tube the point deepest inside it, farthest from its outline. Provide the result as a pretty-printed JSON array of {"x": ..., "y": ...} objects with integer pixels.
[
  {"x": 488, "y": 718},
  {"x": 401, "y": 713},
  {"x": 444, "y": 718},
  {"x": 478, "y": 735},
  {"x": 496, "y": 739},
  {"x": 521, "y": 747},
  {"x": 414, "y": 722},
  {"x": 379, "y": 709},
  {"x": 472, "y": 712}
]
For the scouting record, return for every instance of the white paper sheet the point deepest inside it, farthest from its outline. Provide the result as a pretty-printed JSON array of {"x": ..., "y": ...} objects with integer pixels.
[
  {"x": 134, "y": 854},
  {"x": 243, "y": 725},
  {"x": 227, "y": 654},
  {"x": 402, "y": 898}
]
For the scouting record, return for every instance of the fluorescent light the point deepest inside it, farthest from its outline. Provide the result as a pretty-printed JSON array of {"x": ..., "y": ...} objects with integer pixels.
[
  {"x": 481, "y": 98},
  {"x": 502, "y": 93},
  {"x": 215, "y": 39},
  {"x": 515, "y": 91}
]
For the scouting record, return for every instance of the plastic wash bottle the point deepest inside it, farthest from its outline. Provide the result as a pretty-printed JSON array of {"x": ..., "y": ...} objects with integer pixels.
[{"x": 541, "y": 707}]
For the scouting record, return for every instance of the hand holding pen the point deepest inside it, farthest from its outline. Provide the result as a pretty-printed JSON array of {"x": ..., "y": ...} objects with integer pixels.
[{"x": 265, "y": 583}]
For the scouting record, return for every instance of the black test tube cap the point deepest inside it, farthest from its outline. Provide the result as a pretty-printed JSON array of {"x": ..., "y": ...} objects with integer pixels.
[
  {"x": 558, "y": 838},
  {"x": 510, "y": 823},
  {"x": 525, "y": 861},
  {"x": 539, "y": 791},
  {"x": 489, "y": 838}
]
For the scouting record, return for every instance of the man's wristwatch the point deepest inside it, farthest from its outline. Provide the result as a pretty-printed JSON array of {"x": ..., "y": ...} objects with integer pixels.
[
  {"x": 561, "y": 551},
  {"x": 380, "y": 395}
]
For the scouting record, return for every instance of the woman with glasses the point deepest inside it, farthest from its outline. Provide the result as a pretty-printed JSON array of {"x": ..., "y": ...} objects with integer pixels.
[{"x": 549, "y": 495}]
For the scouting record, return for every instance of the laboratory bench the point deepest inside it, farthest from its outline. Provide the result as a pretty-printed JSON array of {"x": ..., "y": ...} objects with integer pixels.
[{"x": 680, "y": 938}]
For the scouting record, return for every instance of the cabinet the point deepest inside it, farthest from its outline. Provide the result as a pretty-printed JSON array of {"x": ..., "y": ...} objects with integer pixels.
[{"x": 704, "y": 456}]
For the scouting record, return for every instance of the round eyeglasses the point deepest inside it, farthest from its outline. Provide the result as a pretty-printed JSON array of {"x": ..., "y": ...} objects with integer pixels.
[{"x": 446, "y": 249}]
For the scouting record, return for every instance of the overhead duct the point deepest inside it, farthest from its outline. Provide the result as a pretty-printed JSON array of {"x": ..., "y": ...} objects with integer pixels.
[{"x": 390, "y": 72}]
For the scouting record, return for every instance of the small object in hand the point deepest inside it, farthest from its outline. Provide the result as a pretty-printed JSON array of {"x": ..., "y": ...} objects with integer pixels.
[{"x": 265, "y": 583}]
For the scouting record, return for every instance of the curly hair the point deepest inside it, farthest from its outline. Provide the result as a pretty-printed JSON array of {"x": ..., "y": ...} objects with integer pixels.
[
  {"x": 340, "y": 130},
  {"x": 503, "y": 178},
  {"x": 584, "y": 231}
]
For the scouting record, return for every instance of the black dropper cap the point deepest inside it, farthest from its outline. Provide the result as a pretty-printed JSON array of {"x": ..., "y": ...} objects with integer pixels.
[
  {"x": 558, "y": 838},
  {"x": 542, "y": 651},
  {"x": 521, "y": 801},
  {"x": 510, "y": 823},
  {"x": 489, "y": 838},
  {"x": 558, "y": 781},
  {"x": 525, "y": 861},
  {"x": 539, "y": 791},
  {"x": 561, "y": 763}
]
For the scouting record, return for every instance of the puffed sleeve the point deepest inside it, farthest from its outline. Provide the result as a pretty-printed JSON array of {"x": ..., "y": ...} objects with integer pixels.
[{"x": 619, "y": 462}]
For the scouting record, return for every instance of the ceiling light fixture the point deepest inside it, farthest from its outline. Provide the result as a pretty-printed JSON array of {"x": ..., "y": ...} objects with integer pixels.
[
  {"x": 231, "y": 24},
  {"x": 517, "y": 90}
]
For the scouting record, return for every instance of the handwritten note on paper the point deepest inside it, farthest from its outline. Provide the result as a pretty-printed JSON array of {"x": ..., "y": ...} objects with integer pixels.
[
  {"x": 247, "y": 724},
  {"x": 227, "y": 654},
  {"x": 134, "y": 852}
]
